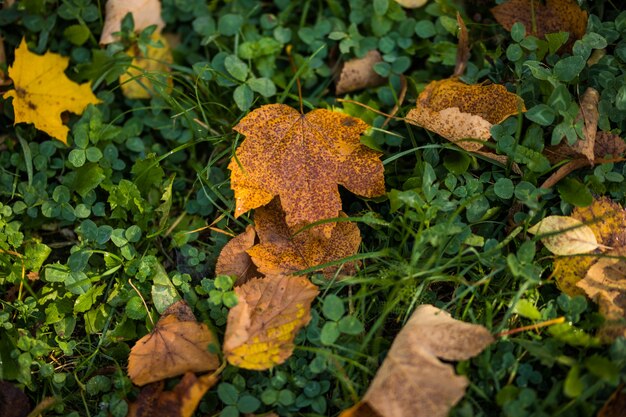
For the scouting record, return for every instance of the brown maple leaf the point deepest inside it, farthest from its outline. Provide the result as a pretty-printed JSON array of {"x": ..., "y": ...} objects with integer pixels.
[
  {"x": 177, "y": 344},
  {"x": 302, "y": 159},
  {"x": 282, "y": 252}
]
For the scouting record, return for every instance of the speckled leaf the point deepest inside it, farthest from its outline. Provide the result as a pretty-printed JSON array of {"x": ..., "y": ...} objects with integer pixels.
[
  {"x": 281, "y": 252},
  {"x": 261, "y": 327},
  {"x": 463, "y": 113},
  {"x": 554, "y": 16},
  {"x": 235, "y": 261},
  {"x": 564, "y": 235},
  {"x": 412, "y": 381},
  {"x": 302, "y": 159}
]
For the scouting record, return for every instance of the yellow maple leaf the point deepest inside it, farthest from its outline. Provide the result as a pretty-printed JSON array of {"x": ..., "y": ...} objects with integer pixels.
[{"x": 42, "y": 91}]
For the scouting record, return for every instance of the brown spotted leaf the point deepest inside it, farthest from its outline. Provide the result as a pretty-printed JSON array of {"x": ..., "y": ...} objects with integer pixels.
[
  {"x": 182, "y": 401},
  {"x": 280, "y": 252},
  {"x": 359, "y": 73},
  {"x": 540, "y": 19},
  {"x": 463, "y": 113},
  {"x": 235, "y": 261},
  {"x": 302, "y": 159},
  {"x": 177, "y": 344},
  {"x": 609, "y": 145},
  {"x": 270, "y": 312},
  {"x": 412, "y": 381},
  {"x": 605, "y": 283}
]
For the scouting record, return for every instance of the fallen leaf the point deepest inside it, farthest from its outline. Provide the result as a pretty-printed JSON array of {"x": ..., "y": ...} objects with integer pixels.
[
  {"x": 609, "y": 145},
  {"x": 411, "y": 4},
  {"x": 43, "y": 91},
  {"x": 302, "y": 159},
  {"x": 606, "y": 219},
  {"x": 270, "y": 312},
  {"x": 282, "y": 253},
  {"x": 412, "y": 381},
  {"x": 145, "y": 13},
  {"x": 463, "y": 48},
  {"x": 539, "y": 19},
  {"x": 177, "y": 344},
  {"x": 13, "y": 401},
  {"x": 235, "y": 261},
  {"x": 182, "y": 401},
  {"x": 615, "y": 405},
  {"x": 147, "y": 71},
  {"x": 564, "y": 235},
  {"x": 357, "y": 74},
  {"x": 605, "y": 284},
  {"x": 463, "y": 113}
]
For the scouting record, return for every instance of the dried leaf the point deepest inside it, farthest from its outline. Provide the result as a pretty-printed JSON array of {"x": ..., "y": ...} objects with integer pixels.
[
  {"x": 282, "y": 253},
  {"x": 261, "y": 327},
  {"x": 177, "y": 344},
  {"x": 235, "y": 261},
  {"x": 565, "y": 235},
  {"x": 13, "y": 401},
  {"x": 145, "y": 13},
  {"x": 302, "y": 159},
  {"x": 609, "y": 145},
  {"x": 589, "y": 114},
  {"x": 605, "y": 283},
  {"x": 459, "y": 112},
  {"x": 540, "y": 19},
  {"x": 412, "y": 382},
  {"x": 43, "y": 91},
  {"x": 615, "y": 405},
  {"x": 182, "y": 401},
  {"x": 359, "y": 73},
  {"x": 606, "y": 219},
  {"x": 139, "y": 80},
  {"x": 463, "y": 49},
  {"x": 411, "y": 4}
]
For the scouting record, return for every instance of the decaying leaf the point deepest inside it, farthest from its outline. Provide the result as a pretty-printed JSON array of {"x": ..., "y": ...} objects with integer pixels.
[
  {"x": 540, "y": 19},
  {"x": 605, "y": 283},
  {"x": 139, "y": 80},
  {"x": 609, "y": 145},
  {"x": 145, "y": 13},
  {"x": 302, "y": 159},
  {"x": 182, "y": 401},
  {"x": 463, "y": 113},
  {"x": 177, "y": 344},
  {"x": 606, "y": 219},
  {"x": 615, "y": 405},
  {"x": 43, "y": 91},
  {"x": 412, "y": 381},
  {"x": 359, "y": 73},
  {"x": 564, "y": 235},
  {"x": 235, "y": 261},
  {"x": 261, "y": 327},
  {"x": 463, "y": 48},
  {"x": 282, "y": 253},
  {"x": 13, "y": 401},
  {"x": 411, "y": 4}
]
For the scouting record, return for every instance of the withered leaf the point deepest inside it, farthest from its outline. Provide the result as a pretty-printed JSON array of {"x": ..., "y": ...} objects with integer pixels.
[
  {"x": 182, "y": 401},
  {"x": 358, "y": 73},
  {"x": 235, "y": 261},
  {"x": 145, "y": 13},
  {"x": 589, "y": 115},
  {"x": 13, "y": 401},
  {"x": 564, "y": 235},
  {"x": 270, "y": 312},
  {"x": 282, "y": 253},
  {"x": 540, "y": 19},
  {"x": 609, "y": 145},
  {"x": 615, "y": 405},
  {"x": 412, "y": 381},
  {"x": 177, "y": 344},
  {"x": 605, "y": 283},
  {"x": 302, "y": 159},
  {"x": 463, "y": 113}
]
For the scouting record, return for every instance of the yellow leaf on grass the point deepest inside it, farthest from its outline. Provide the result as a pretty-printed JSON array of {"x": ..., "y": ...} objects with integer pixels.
[
  {"x": 564, "y": 235},
  {"x": 182, "y": 401},
  {"x": 281, "y": 252},
  {"x": 302, "y": 159},
  {"x": 147, "y": 71},
  {"x": 412, "y": 381},
  {"x": 270, "y": 312},
  {"x": 463, "y": 113},
  {"x": 145, "y": 13},
  {"x": 177, "y": 344},
  {"x": 43, "y": 91}
]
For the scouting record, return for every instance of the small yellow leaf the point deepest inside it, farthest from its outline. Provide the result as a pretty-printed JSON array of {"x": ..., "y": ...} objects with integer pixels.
[
  {"x": 565, "y": 235},
  {"x": 43, "y": 91},
  {"x": 145, "y": 13},
  {"x": 147, "y": 71},
  {"x": 261, "y": 327}
]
